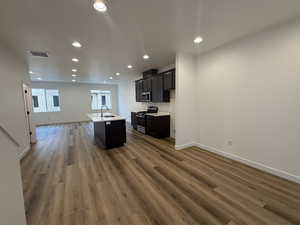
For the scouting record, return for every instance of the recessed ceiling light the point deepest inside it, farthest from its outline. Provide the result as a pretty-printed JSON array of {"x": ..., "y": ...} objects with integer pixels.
[
  {"x": 30, "y": 72},
  {"x": 74, "y": 75},
  {"x": 100, "y": 6},
  {"x": 75, "y": 60},
  {"x": 39, "y": 78},
  {"x": 118, "y": 74},
  {"x": 146, "y": 56},
  {"x": 74, "y": 70},
  {"x": 76, "y": 44},
  {"x": 129, "y": 66},
  {"x": 111, "y": 78},
  {"x": 198, "y": 40},
  {"x": 73, "y": 80}
]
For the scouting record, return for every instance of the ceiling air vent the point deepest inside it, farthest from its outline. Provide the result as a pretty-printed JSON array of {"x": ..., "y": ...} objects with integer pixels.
[{"x": 39, "y": 54}]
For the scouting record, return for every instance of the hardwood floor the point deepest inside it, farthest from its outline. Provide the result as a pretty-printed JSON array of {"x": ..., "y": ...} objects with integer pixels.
[{"x": 70, "y": 181}]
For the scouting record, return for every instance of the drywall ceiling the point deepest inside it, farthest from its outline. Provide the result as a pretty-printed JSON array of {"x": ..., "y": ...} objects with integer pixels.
[{"x": 129, "y": 29}]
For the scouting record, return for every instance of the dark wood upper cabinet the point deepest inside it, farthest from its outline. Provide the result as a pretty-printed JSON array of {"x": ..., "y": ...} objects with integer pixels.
[
  {"x": 143, "y": 88},
  {"x": 138, "y": 90},
  {"x": 158, "y": 92},
  {"x": 169, "y": 79},
  {"x": 149, "y": 73},
  {"x": 158, "y": 85},
  {"x": 147, "y": 85}
]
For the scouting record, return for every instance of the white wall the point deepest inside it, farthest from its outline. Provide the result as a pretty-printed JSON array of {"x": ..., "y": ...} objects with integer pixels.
[
  {"x": 75, "y": 101},
  {"x": 248, "y": 95},
  {"x": 11, "y": 194},
  {"x": 186, "y": 102},
  {"x": 12, "y": 110},
  {"x": 12, "y": 118}
]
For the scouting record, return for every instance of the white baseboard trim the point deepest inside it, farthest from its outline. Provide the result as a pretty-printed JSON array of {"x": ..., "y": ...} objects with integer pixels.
[
  {"x": 180, "y": 147},
  {"x": 276, "y": 172},
  {"x": 24, "y": 152}
]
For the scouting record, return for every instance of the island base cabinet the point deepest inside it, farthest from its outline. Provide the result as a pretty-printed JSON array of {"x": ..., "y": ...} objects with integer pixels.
[{"x": 110, "y": 134}]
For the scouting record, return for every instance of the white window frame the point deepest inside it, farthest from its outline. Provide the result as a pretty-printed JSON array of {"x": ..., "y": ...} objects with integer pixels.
[{"x": 45, "y": 100}]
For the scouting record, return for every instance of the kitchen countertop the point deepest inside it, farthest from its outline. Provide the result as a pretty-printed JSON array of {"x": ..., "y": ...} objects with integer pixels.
[
  {"x": 138, "y": 110},
  {"x": 96, "y": 117},
  {"x": 159, "y": 114},
  {"x": 153, "y": 114}
]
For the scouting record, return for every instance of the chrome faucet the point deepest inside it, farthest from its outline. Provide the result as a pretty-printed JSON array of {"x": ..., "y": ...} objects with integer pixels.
[{"x": 103, "y": 106}]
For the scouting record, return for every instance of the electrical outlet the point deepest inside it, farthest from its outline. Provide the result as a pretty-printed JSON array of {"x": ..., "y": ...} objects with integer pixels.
[{"x": 229, "y": 143}]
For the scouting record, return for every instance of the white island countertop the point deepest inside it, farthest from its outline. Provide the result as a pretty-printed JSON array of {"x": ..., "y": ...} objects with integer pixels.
[{"x": 96, "y": 117}]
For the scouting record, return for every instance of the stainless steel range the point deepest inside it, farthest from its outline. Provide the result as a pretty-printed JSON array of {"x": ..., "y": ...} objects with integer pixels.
[{"x": 141, "y": 118}]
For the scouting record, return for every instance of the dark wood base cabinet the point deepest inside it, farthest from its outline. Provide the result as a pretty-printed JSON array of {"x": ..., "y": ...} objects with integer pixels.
[
  {"x": 158, "y": 126},
  {"x": 133, "y": 120},
  {"x": 110, "y": 134}
]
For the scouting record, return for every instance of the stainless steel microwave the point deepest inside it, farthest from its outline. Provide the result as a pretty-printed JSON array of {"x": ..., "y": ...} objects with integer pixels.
[{"x": 146, "y": 96}]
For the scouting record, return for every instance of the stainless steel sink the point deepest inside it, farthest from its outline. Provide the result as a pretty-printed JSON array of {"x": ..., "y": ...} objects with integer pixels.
[{"x": 109, "y": 116}]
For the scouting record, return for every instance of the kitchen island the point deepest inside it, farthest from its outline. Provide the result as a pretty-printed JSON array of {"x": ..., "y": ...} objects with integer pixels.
[{"x": 109, "y": 130}]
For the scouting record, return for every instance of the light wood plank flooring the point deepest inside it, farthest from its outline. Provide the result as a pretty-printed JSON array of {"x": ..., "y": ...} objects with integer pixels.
[{"x": 70, "y": 181}]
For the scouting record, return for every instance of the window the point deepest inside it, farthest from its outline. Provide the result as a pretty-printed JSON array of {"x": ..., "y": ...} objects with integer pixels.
[
  {"x": 35, "y": 101},
  {"x": 103, "y": 100},
  {"x": 52, "y": 100},
  {"x": 55, "y": 101},
  {"x": 45, "y": 100},
  {"x": 100, "y": 98},
  {"x": 39, "y": 100}
]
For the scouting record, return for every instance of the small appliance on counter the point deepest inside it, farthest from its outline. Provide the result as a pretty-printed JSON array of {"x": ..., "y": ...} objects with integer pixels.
[{"x": 152, "y": 109}]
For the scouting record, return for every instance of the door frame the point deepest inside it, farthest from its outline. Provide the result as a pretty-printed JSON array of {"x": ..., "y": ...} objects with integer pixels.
[{"x": 31, "y": 128}]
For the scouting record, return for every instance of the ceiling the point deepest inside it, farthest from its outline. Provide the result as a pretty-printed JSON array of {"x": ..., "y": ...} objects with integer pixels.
[{"x": 128, "y": 30}]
